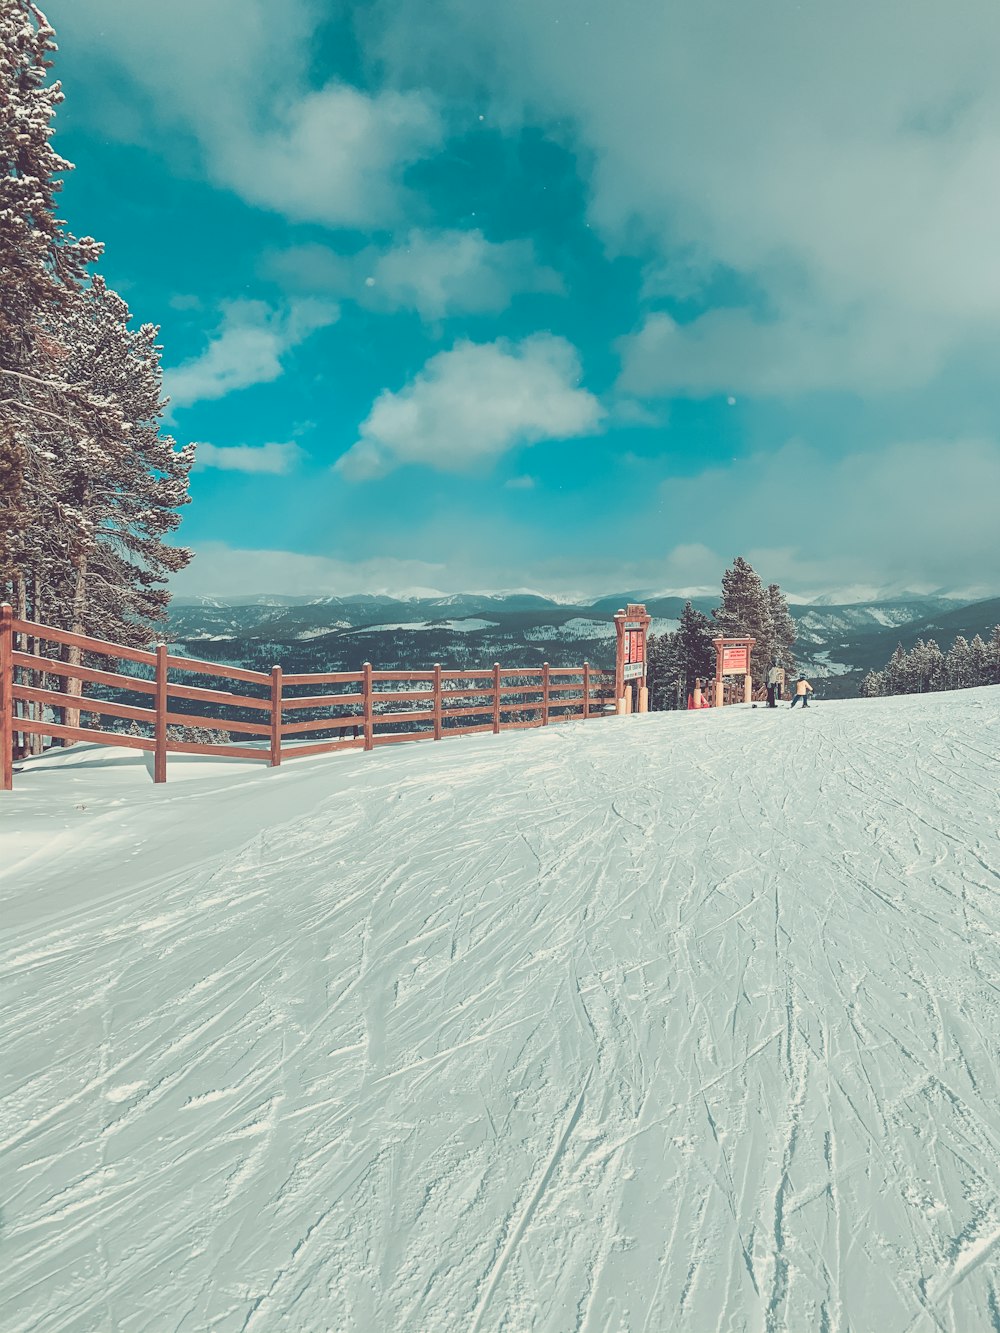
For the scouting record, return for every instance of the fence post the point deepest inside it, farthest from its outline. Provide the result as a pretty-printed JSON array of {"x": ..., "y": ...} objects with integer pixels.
[
  {"x": 545, "y": 694},
  {"x": 160, "y": 718},
  {"x": 586, "y": 690},
  {"x": 366, "y": 691},
  {"x": 6, "y": 698},
  {"x": 496, "y": 698},
  {"x": 437, "y": 701},
  {"x": 275, "y": 716}
]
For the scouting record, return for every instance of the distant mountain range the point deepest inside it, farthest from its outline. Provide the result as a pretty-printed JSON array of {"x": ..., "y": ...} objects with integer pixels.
[{"x": 837, "y": 643}]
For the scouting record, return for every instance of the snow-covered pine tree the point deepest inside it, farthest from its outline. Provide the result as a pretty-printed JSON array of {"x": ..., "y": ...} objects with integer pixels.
[
  {"x": 782, "y": 628},
  {"x": 927, "y": 665},
  {"x": 744, "y": 610},
  {"x": 897, "y": 672},
  {"x": 873, "y": 685},
  {"x": 115, "y": 492},
  {"x": 41, "y": 266},
  {"x": 993, "y": 658},
  {"x": 122, "y": 489},
  {"x": 979, "y": 654},
  {"x": 960, "y": 666}
]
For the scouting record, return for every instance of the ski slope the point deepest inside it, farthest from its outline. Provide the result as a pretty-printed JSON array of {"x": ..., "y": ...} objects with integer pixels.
[{"x": 677, "y": 1022}]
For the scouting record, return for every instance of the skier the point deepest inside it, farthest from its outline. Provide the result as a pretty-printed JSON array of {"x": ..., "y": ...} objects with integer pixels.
[
  {"x": 802, "y": 691},
  {"x": 775, "y": 684}
]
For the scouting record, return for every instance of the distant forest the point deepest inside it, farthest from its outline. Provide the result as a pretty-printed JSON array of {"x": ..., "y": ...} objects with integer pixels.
[{"x": 926, "y": 667}]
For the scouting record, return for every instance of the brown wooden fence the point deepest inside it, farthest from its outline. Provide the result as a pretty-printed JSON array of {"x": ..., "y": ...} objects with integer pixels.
[{"x": 289, "y": 716}]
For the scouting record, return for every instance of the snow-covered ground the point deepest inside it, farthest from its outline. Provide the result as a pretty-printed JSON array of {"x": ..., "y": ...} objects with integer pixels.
[
  {"x": 818, "y": 665},
  {"x": 467, "y": 626},
  {"x": 676, "y": 1022}
]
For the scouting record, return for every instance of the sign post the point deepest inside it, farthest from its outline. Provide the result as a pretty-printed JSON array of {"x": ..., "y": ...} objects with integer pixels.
[
  {"x": 732, "y": 658},
  {"x": 631, "y": 627}
]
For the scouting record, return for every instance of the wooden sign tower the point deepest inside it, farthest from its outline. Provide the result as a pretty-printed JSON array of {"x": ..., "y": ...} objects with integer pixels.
[{"x": 631, "y": 627}]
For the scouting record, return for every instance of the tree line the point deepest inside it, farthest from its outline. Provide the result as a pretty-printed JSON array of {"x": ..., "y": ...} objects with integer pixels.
[
  {"x": 747, "y": 609},
  {"x": 90, "y": 483},
  {"x": 926, "y": 667}
]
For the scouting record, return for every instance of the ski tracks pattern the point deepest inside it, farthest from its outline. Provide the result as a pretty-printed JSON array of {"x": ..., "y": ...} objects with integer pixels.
[{"x": 684, "y": 1022}]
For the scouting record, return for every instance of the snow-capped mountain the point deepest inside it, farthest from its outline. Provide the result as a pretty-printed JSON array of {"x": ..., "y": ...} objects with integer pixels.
[{"x": 835, "y": 641}]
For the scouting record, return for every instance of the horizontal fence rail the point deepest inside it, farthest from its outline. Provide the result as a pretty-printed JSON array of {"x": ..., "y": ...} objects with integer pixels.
[{"x": 181, "y": 705}]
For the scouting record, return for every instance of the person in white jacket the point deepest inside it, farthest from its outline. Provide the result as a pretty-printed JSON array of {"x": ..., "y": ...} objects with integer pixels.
[{"x": 802, "y": 691}]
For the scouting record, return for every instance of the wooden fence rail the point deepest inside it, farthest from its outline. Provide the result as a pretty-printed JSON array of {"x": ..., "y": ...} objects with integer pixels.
[{"x": 369, "y": 704}]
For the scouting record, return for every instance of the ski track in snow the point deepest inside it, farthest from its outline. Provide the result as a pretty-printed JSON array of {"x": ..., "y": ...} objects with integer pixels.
[{"x": 679, "y": 1022}]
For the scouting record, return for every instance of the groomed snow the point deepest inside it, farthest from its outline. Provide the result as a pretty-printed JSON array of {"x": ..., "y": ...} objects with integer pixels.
[{"x": 680, "y": 1022}]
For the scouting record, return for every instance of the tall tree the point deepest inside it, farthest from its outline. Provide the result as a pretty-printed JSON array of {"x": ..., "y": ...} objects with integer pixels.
[
  {"x": 897, "y": 672},
  {"x": 927, "y": 667},
  {"x": 960, "y": 665},
  {"x": 695, "y": 651},
  {"x": 993, "y": 660},
  {"x": 41, "y": 266},
  {"x": 662, "y": 672},
  {"x": 744, "y": 611},
  {"x": 121, "y": 489},
  {"x": 980, "y": 654},
  {"x": 782, "y": 628},
  {"x": 90, "y": 486}
]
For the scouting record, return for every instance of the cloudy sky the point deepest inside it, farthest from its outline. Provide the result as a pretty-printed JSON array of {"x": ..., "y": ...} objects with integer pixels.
[{"x": 563, "y": 294}]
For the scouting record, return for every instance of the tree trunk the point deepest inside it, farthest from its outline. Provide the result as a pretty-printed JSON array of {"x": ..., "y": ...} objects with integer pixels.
[{"x": 74, "y": 654}]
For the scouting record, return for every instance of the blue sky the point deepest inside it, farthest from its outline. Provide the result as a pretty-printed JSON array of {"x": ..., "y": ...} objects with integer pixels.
[{"x": 558, "y": 294}]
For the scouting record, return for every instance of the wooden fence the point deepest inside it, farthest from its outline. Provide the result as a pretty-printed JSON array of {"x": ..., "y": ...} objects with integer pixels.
[{"x": 375, "y": 707}]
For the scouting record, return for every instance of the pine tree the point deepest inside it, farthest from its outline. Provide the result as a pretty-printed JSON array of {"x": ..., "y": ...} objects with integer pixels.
[
  {"x": 89, "y": 484},
  {"x": 120, "y": 489},
  {"x": 782, "y": 629},
  {"x": 897, "y": 672},
  {"x": 41, "y": 266},
  {"x": 662, "y": 672},
  {"x": 993, "y": 658},
  {"x": 873, "y": 685},
  {"x": 927, "y": 667},
  {"x": 694, "y": 651},
  {"x": 960, "y": 665},
  {"x": 744, "y": 611},
  {"x": 979, "y": 655}
]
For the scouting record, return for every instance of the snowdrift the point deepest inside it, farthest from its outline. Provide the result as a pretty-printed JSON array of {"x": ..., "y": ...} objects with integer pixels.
[{"x": 681, "y": 1021}]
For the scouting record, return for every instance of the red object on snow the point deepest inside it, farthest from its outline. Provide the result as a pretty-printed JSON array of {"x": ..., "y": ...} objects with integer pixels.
[{"x": 690, "y": 701}]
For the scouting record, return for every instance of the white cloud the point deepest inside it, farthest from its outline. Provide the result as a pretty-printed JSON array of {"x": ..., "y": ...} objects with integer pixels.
[
  {"x": 219, "y": 570},
  {"x": 452, "y": 271},
  {"x": 435, "y": 273},
  {"x": 843, "y": 172},
  {"x": 276, "y": 459},
  {"x": 519, "y": 484},
  {"x": 465, "y": 563},
  {"x": 731, "y": 351},
  {"x": 235, "y": 75},
  {"x": 471, "y": 404},
  {"x": 247, "y": 349},
  {"x": 335, "y": 156},
  {"x": 915, "y": 513}
]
